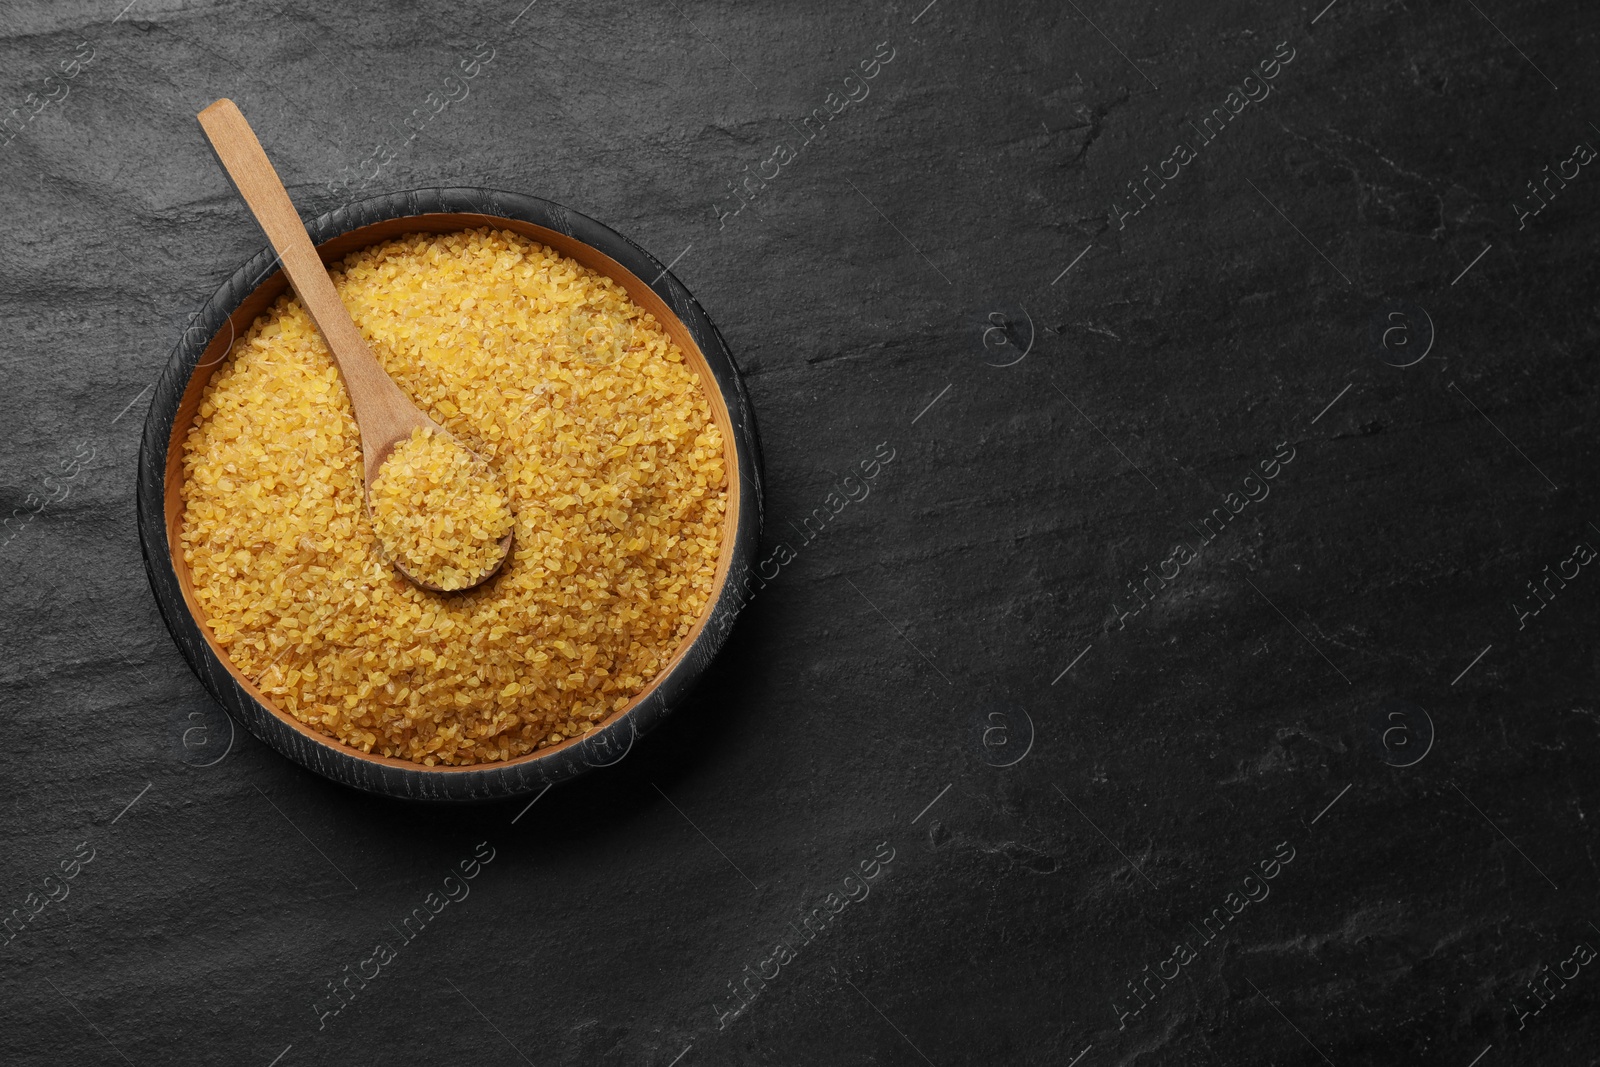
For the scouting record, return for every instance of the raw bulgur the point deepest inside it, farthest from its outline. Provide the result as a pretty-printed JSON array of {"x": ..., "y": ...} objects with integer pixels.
[
  {"x": 438, "y": 511},
  {"x": 605, "y": 444}
]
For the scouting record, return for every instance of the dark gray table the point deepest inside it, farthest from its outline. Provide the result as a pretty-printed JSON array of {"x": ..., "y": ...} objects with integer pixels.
[{"x": 1319, "y": 787}]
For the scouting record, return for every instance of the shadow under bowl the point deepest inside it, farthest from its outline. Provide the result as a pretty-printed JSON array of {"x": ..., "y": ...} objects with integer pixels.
[{"x": 249, "y": 292}]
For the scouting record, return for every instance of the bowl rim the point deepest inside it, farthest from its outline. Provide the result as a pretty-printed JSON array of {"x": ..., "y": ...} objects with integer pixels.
[{"x": 534, "y": 771}]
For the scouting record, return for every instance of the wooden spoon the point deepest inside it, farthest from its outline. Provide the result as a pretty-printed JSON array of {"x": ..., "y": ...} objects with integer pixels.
[{"x": 385, "y": 415}]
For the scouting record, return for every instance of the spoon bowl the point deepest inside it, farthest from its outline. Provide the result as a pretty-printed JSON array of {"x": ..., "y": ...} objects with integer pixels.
[{"x": 382, "y": 467}]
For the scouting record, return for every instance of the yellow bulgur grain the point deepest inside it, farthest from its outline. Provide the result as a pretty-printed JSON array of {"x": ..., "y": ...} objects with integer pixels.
[
  {"x": 606, "y": 450},
  {"x": 438, "y": 511}
]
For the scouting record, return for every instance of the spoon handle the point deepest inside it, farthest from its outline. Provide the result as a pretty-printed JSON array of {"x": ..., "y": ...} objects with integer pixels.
[{"x": 382, "y": 410}]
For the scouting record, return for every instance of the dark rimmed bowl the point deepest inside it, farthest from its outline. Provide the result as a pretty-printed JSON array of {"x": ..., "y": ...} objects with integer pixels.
[{"x": 230, "y": 312}]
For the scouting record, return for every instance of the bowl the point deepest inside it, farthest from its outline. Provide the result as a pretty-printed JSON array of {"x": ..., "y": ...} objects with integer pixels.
[{"x": 250, "y": 290}]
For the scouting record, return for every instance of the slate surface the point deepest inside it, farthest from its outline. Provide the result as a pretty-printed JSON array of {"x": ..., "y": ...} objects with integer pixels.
[{"x": 1347, "y": 687}]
